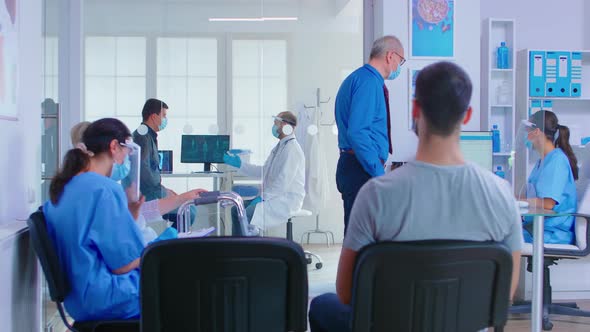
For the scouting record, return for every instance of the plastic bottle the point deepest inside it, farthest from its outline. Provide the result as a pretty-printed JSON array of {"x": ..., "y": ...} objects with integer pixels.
[
  {"x": 500, "y": 172},
  {"x": 502, "y": 56},
  {"x": 495, "y": 138}
]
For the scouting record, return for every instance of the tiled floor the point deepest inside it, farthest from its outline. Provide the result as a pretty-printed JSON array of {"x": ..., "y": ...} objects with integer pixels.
[{"x": 322, "y": 281}]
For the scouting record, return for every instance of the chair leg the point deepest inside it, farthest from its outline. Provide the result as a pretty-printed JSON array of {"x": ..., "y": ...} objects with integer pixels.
[
  {"x": 309, "y": 256},
  {"x": 289, "y": 230}
]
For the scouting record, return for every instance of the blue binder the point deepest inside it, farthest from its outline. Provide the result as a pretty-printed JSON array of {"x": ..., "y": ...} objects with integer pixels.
[
  {"x": 551, "y": 85},
  {"x": 576, "y": 74},
  {"x": 564, "y": 70},
  {"x": 537, "y": 74},
  {"x": 535, "y": 106}
]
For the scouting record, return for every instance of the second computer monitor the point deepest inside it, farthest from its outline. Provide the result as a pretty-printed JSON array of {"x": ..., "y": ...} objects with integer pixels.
[
  {"x": 205, "y": 149},
  {"x": 477, "y": 148}
]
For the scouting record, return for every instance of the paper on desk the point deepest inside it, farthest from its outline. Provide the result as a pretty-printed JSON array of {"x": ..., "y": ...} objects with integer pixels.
[{"x": 198, "y": 233}]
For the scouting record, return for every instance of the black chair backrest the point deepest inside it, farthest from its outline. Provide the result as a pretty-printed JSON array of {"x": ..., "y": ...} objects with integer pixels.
[
  {"x": 224, "y": 284},
  {"x": 44, "y": 247},
  {"x": 431, "y": 286}
]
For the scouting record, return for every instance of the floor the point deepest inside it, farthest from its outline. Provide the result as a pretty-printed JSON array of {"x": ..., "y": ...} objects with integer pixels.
[{"x": 322, "y": 281}]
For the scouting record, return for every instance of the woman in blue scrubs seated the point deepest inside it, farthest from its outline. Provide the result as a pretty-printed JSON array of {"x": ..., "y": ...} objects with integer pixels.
[
  {"x": 551, "y": 183},
  {"x": 88, "y": 218}
]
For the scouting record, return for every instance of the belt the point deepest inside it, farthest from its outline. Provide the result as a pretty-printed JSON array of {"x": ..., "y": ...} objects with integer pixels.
[{"x": 352, "y": 153}]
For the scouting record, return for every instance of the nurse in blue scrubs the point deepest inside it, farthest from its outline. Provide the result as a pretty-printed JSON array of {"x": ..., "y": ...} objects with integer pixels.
[
  {"x": 551, "y": 183},
  {"x": 92, "y": 227}
]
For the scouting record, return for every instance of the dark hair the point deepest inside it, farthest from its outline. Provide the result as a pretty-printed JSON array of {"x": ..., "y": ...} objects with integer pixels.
[
  {"x": 97, "y": 138},
  {"x": 443, "y": 91},
  {"x": 152, "y": 106},
  {"x": 549, "y": 123}
]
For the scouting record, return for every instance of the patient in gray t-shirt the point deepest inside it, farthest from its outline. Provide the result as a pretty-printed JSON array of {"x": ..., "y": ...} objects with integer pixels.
[{"x": 421, "y": 201}]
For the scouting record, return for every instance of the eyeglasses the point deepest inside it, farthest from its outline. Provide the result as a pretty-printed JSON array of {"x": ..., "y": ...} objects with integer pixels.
[{"x": 403, "y": 60}]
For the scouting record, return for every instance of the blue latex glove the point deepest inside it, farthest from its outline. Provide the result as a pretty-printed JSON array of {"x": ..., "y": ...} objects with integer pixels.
[
  {"x": 169, "y": 234},
  {"x": 256, "y": 200},
  {"x": 232, "y": 160}
]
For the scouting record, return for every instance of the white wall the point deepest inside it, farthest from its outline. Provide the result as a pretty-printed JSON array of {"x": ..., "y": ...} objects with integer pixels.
[
  {"x": 542, "y": 24},
  {"x": 20, "y": 179},
  {"x": 392, "y": 17},
  {"x": 586, "y": 25}
]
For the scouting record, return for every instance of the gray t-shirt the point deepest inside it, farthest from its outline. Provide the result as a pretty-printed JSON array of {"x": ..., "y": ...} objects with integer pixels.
[{"x": 421, "y": 201}]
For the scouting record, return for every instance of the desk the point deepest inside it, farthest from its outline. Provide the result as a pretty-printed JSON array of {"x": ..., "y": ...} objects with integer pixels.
[
  {"x": 538, "y": 215},
  {"x": 213, "y": 175}
]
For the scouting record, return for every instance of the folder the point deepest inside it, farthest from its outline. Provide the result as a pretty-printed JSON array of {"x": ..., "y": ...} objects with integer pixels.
[
  {"x": 535, "y": 106},
  {"x": 564, "y": 69},
  {"x": 551, "y": 65},
  {"x": 576, "y": 74},
  {"x": 547, "y": 105},
  {"x": 537, "y": 74}
]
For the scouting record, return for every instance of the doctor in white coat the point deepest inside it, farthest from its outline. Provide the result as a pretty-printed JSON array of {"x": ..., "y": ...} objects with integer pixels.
[{"x": 283, "y": 178}]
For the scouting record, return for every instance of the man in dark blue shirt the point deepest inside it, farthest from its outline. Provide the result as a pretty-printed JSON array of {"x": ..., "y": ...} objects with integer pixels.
[{"x": 363, "y": 120}]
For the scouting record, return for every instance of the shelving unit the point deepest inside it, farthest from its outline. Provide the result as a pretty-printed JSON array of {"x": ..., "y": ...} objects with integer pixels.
[
  {"x": 573, "y": 112},
  {"x": 496, "y": 109}
]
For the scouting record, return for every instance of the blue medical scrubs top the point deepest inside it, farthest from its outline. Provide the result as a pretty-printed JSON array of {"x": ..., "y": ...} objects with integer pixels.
[
  {"x": 94, "y": 234},
  {"x": 361, "y": 117},
  {"x": 552, "y": 178}
]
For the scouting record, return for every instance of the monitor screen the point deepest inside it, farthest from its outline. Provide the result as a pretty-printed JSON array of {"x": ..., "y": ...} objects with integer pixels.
[
  {"x": 166, "y": 161},
  {"x": 203, "y": 148},
  {"x": 477, "y": 148}
]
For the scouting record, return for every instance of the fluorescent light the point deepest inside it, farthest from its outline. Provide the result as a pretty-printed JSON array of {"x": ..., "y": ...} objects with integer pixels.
[{"x": 252, "y": 19}]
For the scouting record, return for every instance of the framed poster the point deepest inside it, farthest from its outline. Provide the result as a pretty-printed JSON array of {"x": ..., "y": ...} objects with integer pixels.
[
  {"x": 8, "y": 59},
  {"x": 413, "y": 73},
  {"x": 432, "y": 29}
]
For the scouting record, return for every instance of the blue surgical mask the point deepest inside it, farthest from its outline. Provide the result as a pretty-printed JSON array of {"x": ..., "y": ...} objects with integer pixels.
[
  {"x": 528, "y": 144},
  {"x": 163, "y": 125},
  {"x": 120, "y": 171},
  {"x": 395, "y": 74},
  {"x": 275, "y": 131}
]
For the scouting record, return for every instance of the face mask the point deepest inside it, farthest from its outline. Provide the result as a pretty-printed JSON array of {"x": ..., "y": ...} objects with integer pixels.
[
  {"x": 275, "y": 131},
  {"x": 415, "y": 126},
  {"x": 120, "y": 171},
  {"x": 528, "y": 144},
  {"x": 163, "y": 125},
  {"x": 395, "y": 74}
]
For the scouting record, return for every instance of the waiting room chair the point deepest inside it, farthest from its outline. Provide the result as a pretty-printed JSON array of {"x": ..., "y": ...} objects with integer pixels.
[
  {"x": 308, "y": 254},
  {"x": 553, "y": 253},
  {"x": 438, "y": 286},
  {"x": 58, "y": 284},
  {"x": 227, "y": 284}
]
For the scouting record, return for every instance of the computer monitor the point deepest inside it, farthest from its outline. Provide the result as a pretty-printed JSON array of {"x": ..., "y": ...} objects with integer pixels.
[
  {"x": 477, "y": 148},
  {"x": 166, "y": 161},
  {"x": 204, "y": 149}
]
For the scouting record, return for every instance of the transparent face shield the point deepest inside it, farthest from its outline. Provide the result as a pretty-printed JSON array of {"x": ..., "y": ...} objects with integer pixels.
[
  {"x": 131, "y": 182},
  {"x": 528, "y": 156}
]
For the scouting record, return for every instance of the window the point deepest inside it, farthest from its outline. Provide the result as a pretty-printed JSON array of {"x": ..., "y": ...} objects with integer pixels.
[
  {"x": 115, "y": 81},
  {"x": 187, "y": 82},
  {"x": 259, "y": 87}
]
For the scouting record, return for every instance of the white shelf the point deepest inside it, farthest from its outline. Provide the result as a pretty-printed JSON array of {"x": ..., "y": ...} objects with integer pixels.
[
  {"x": 501, "y": 106},
  {"x": 502, "y": 154},
  {"x": 561, "y": 98},
  {"x": 509, "y": 70}
]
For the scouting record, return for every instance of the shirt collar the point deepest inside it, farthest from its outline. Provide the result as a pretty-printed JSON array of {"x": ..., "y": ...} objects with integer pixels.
[
  {"x": 150, "y": 131},
  {"x": 374, "y": 71},
  {"x": 286, "y": 138}
]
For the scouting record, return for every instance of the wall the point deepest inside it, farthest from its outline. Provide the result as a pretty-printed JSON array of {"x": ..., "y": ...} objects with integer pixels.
[
  {"x": 542, "y": 24},
  {"x": 20, "y": 178},
  {"x": 586, "y": 25},
  {"x": 393, "y": 18}
]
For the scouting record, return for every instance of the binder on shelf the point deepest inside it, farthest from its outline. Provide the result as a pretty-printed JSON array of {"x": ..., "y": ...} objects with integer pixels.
[
  {"x": 535, "y": 106},
  {"x": 547, "y": 105},
  {"x": 576, "y": 75},
  {"x": 564, "y": 70},
  {"x": 551, "y": 64},
  {"x": 537, "y": 74}
]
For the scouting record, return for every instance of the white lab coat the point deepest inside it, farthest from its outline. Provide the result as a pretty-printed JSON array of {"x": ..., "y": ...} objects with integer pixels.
[
  {"x": 283, "y": 183},
  {"x": 317, "y": 188}
]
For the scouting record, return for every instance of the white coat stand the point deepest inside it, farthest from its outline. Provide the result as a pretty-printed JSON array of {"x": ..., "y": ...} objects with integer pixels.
[{"x": 328, "y": 234}]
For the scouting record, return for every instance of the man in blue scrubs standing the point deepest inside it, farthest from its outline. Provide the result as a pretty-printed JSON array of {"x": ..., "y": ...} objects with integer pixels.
[{"x": 363, "y": 120}]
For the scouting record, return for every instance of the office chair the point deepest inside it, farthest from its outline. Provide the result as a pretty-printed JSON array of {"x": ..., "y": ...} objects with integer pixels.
[
  {"x": 58, "y": 284},
  {"x": 438, "y": 286},
  {"x": 308, "y": 254},
  {"x": 553, "y": 253},
  {"x": 224, "y": 284}
]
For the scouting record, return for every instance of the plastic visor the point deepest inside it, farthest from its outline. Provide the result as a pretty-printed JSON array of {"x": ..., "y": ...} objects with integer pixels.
[{"x": 131, "y": 182}]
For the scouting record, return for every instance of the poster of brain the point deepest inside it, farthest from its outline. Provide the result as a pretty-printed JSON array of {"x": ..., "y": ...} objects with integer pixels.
[
  {"x": 8, "y": 58},
  {"x": 432, "y": 28}
]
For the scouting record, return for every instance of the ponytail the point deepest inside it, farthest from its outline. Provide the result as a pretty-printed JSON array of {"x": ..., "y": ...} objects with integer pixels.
[
  {"x": 563, "y": 142},
  {"x": 75, "y": 162}
]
